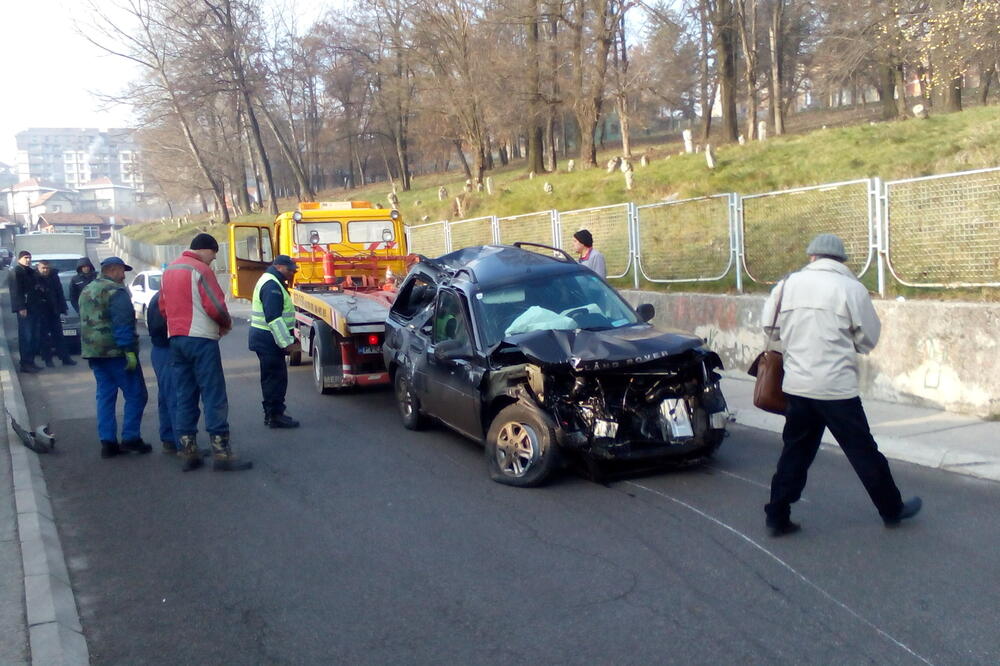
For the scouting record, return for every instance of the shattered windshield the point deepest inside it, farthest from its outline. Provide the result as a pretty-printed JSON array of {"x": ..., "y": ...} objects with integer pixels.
[{"x": 563, "y": 302}]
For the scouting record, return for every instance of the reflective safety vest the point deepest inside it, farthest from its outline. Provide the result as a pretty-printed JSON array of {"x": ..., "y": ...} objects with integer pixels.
[{"x": 281, "y": 327}]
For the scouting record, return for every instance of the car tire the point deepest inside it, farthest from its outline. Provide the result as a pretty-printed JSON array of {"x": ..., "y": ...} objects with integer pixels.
[
  {"x": 408, "y": 402},
  {"x": 520, "y": 448}
]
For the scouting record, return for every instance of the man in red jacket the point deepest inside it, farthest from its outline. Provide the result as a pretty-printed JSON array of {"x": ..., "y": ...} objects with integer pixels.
[{"x": 195, "y": 309}]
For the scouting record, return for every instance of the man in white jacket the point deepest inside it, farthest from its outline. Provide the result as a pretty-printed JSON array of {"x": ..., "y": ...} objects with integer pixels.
[{"x": 826, "y": 319}]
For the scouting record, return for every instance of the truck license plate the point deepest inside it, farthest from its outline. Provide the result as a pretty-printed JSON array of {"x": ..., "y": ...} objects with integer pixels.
[
  {"x": 71, "y": 332},
  {"x": 370, "y": 349}
]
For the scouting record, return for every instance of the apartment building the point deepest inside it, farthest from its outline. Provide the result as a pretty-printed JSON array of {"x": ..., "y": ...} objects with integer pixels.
[{"x": 70, "y": 157}]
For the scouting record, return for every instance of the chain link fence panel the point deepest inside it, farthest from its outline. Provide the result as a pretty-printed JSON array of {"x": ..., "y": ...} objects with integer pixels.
[
  {"x": 474, "y": 231},
  {"x": 430, "y": 240},
  {"x": 610, "y": 227},
  {"x": 527, "y": 228},
  {"x": 685, "y": 241},
  {"x": 944, "y": 231},
  {"x": 777, "y": 227}
]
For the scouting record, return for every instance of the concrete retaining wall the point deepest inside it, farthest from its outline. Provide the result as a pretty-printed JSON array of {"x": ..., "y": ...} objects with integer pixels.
[{"x": 932, "y": 353}]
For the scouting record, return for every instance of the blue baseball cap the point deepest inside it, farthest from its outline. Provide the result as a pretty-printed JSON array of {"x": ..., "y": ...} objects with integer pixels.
[
  {"x": 285, "y": 260},
  {"x": 115, "y": 261}
]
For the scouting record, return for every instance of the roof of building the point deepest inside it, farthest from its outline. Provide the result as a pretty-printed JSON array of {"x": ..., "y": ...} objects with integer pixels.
[
  {"x": 44, "y": 197},
  {"x": 71, "y": 219},
  {"x": 101, "y": 183}
]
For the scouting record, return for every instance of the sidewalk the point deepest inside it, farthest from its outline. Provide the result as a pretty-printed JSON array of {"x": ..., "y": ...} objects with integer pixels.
[{"x": 928, "y": 437}]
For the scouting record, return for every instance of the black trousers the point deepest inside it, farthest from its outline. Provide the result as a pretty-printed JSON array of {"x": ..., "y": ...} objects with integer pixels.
[
  {"x": 273, "y": 382},
  {"x": 50, "y": 337},
  {"x": 805, "y": 421}
]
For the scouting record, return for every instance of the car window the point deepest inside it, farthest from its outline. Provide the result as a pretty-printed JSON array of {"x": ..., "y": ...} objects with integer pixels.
[
  {"x": 449, "y": 319},
  {"x": 552, "y": 302},
  {"x": 139, "y": 281},
  {"x": 154, "y": 282},
  {"x": 415, "y": 296}
]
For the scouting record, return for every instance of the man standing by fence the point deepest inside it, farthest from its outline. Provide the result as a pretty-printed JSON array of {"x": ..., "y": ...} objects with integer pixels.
[
  {"x": 583, "y": 244},
  {"x": 826, "y": 319},
  {"x": 195, "y": 308}
]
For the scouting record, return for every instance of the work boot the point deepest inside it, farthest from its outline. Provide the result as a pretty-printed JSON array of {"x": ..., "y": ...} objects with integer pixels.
[
  {"x": 49, "y": 363},
  {"x": 170, "y": 448},
  {"x": 66, "y": 360},
  {"x": 110, "y": 449},
  {"x": 29, "y": 368},
  {"x": 189, "y": 452},
  {"x": 136, "y": 446},
  {"x": 282, "y": 421},
  {"x": 224, "y": 460}
]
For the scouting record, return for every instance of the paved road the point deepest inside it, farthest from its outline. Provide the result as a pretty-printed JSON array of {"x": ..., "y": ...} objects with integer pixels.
[{"x": 356, "y": 541}]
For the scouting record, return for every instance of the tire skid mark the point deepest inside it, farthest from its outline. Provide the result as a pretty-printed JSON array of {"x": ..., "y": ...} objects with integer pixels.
[{"x": 837, "y": 602}]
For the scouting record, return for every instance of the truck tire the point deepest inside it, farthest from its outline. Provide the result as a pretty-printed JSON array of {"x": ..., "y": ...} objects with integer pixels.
[
  {"x": 324, "y": 355},
  {"x": 295, "y": 358},
  {"x": 521, "y": 448}
]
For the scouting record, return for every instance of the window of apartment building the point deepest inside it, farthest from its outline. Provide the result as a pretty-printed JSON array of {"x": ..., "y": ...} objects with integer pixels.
[{"x": 91, "y": 232}]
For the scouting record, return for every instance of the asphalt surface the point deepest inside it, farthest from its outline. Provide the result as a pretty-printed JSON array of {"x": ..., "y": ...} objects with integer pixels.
[{"x": 356, "y": 541}]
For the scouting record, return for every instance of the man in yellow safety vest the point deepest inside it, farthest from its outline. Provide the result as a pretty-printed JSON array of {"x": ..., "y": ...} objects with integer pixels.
[{"x": 272, "y": 320}]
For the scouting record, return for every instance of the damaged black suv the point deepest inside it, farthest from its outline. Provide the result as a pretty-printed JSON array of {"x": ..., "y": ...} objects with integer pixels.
[{"x": 540, "y": 359}]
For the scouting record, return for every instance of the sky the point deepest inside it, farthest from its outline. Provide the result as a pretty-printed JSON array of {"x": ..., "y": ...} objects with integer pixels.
[{"x": 49, "y": 73}]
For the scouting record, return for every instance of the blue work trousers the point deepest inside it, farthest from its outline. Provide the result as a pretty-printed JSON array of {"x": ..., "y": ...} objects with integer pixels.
[
  {"x": 28, "y": 331},
  {"x": 111, "y": 377},
  {"x": 166, "y": 391},
  {"x": 198, "y": 376}
]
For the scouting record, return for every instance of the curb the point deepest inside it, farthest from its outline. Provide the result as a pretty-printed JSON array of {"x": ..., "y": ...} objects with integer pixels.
[
  {"x": 55, "y": 633},
  {"x": 895, "y": 448}
]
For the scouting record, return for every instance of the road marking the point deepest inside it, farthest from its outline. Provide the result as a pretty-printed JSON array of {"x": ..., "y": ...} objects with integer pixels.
[
  {"x": 784, "y": 564},
  {"x": 752, "y": 482}
]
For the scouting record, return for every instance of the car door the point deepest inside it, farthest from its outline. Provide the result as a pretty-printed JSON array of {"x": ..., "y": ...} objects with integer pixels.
[
  {"x": 138, "y": 292},
  {"x": 452, "y": 367}
]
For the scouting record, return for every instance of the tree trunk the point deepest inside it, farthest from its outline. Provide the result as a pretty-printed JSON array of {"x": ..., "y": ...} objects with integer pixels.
[
  {"x": 776, "y": 40},
  {"x": 985, "y": 79},
  {"x": 707, "y": 89},
  {"x": 536, "y": 160},
  {"x": 887, "y": 91},
  {"x": 725, "y": 49},
  {"x": 304, "y": 187},
  {"x": 402, "y": 153},
  {"x": 901, "y": 111},
  {"x": 462, "y": 158},
  {"x": 953, "y": 94}
]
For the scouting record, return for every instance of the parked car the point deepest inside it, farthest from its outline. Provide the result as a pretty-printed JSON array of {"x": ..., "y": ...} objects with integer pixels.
[
  {"x": 143, "y": 287},
  {"x": 540, "y": 359}
]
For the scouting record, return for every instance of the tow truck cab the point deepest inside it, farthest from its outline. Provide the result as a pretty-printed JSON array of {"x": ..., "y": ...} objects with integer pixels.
[{"x": 350, "y": 255}]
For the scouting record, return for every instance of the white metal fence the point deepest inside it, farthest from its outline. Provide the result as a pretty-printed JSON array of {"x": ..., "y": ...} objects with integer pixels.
[{"x": 936, "y": 231}]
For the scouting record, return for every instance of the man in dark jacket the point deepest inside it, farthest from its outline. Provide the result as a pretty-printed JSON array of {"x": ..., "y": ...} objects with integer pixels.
[
  {"x": 85, "y": 274},
  {"x": 26, "y": 300},
  {"x": 111, "y": 346},
  {"x": 50, "y": 340},
  {"x": 166, "y": 398},
  {"x": 272, "y": 319}
]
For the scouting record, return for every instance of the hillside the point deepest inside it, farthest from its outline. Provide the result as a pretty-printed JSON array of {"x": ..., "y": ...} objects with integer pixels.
[{"x": 939, "y": 144}]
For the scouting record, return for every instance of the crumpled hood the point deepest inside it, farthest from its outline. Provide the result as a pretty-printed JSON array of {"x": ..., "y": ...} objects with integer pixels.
[{"x": 597, "y": 350}]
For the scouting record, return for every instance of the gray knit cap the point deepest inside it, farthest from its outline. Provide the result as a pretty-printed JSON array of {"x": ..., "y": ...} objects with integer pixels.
[{"x": 829, "y": 245}]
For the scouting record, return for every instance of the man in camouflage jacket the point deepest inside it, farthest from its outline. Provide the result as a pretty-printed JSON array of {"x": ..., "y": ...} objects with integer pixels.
[{"x": 111, "y": 347}]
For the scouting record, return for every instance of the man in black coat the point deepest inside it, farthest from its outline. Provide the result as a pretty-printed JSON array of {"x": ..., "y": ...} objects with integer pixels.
[
  {"x": 50, "y": 340},
  {"x": 272, "y": 319},
  {"x": 85, "y": 274},
  {"x": 26, "y": 300}
]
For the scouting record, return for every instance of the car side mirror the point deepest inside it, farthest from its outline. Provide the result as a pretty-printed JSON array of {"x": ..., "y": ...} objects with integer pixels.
[
  {"x": 646, "y": 312},
  {"x": 452, "y": 350}
]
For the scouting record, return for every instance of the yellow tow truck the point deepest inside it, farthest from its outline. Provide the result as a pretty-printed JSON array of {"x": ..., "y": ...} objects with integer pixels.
[{"x": 350, "y": 255}]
